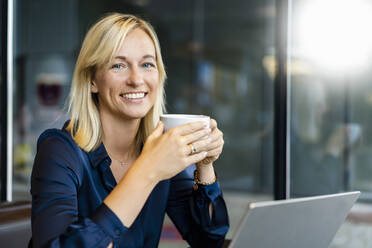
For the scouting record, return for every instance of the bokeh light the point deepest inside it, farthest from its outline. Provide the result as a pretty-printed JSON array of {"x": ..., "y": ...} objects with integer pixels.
[{"x": 335, "y": 34}]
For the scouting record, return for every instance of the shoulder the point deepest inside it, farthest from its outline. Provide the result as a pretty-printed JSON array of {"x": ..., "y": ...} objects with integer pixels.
[
  {"x": 56, "y": 141},
  {"x": 57, "y": 151},
  {"x": 54, "y": 133}
]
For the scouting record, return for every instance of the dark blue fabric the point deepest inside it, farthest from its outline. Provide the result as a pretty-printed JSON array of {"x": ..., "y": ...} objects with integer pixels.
[{"x": 68, "y": 187}]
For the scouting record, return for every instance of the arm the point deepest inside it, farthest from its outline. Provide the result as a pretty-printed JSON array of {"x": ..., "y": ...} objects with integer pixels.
[
  {"x": 200, "y": 215},
  {"x": 189, "y": 211},
  {"x": 206, "y": 174},
  {"x": 163, "y": 156},
  {"x": 214, "y": 149},
  {"x": 60, "y": 204},
  {"x": 54, "y": 188}
]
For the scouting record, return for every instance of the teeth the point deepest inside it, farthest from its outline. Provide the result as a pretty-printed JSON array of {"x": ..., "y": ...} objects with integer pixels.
[{"x": 134, "y": 95}]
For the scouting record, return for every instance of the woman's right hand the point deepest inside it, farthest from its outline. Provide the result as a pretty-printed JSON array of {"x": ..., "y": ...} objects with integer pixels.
[{"x": 165, "y": 155}]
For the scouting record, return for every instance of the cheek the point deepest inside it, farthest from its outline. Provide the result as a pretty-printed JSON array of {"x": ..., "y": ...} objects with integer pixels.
[
  {"x": 153, "y": 82},
  {"x": 103, "y": 84},
  {"x": 108, "y": 93},
  {"x": 154, "y": 92}
]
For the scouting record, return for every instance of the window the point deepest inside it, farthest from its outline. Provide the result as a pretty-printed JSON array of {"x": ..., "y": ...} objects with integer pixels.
[
  {"x": 218, "y": 58},
  {"x": 330, "y": 106},
  {"x": 215, "y": 55}
]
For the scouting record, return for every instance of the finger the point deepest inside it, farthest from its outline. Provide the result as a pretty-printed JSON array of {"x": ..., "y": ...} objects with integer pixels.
[
  {"x": 197, "y": 157},
  {"x": 213, "y": 140},
  {"x": 190, "y": 138},
  {"x": 215, "y": 135},
  {"x": 214, "y": 152},
  {"x": 207, "y": 160},
  {"x": 188, "y": 150},
  {"x": 159, "y": 129},
  {"x": 213, "y": 124},
  {"x": 207, "y": 145},
  {"x": 190, "y": 127}
]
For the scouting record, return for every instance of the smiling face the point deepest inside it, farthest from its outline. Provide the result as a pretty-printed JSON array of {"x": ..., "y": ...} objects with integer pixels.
[{"x": 127, "y": 88}]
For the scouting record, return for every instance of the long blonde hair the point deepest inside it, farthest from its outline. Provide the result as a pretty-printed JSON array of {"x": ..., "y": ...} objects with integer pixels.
[{"x": 100, "y": 46}]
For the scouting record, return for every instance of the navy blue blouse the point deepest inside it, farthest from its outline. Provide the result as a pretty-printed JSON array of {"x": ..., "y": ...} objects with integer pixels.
[{"x": 68, "y": 186}]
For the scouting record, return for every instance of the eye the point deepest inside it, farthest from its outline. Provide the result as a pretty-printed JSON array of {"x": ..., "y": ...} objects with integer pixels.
[
  {"x": 118, "y": 66},
  {"x": 148, "y": 65}
]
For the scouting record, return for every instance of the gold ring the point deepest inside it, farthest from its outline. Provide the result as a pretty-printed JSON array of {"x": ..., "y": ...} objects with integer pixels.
[{"x": 193, "y": 149}]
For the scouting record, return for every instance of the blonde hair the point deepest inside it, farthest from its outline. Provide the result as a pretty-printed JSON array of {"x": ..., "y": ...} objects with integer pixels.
[{"x": 99, "y": 48}]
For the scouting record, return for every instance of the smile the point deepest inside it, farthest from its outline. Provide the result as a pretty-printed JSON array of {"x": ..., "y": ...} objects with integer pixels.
[{"x": 134, "y": 95}]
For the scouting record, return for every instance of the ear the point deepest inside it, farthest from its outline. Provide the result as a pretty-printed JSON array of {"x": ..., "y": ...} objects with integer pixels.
[{"x": 93, "y": 87}]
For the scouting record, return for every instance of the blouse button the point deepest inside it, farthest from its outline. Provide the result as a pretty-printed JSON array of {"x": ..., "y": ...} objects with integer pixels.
[
  {"x": 195, "y": 186},
  {"x": 210, "y": 192}
]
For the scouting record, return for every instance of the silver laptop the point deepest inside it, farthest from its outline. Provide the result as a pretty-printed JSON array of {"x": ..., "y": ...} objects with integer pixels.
[{"x": 309, "y": 222}]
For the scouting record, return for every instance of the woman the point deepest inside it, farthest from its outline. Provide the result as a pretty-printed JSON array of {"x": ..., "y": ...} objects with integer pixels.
[{"x": 110, "y": 175}]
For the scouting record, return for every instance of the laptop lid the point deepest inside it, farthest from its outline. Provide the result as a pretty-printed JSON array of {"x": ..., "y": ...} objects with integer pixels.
[{"x": 310, "y": 222}]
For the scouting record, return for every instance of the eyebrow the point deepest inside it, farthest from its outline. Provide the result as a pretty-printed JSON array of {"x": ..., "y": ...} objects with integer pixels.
[{"x": 144, "y": 57}]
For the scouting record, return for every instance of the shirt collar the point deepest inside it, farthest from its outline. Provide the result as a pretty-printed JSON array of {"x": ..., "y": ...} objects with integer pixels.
[{"x": 98, "y": 155}]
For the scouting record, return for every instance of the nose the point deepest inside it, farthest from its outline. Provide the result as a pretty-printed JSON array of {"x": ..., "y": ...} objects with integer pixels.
[{"x": 135, "y": 77}]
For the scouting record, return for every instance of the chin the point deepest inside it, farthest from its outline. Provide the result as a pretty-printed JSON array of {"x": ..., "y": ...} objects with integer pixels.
[{"x": 136, "y": 115}]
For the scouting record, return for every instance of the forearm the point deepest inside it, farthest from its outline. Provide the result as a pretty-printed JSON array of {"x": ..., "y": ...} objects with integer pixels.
[
  {"x": 131, "y": 193},
  {"x": 189, "y": 211},
  {"x": 206, "y": 174}
]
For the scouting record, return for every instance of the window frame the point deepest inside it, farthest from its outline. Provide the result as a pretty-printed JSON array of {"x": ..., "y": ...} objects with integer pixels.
[{"x": 6, "y": 122}]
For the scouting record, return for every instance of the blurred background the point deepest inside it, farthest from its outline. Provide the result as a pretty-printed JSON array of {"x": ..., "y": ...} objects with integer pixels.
[{"x": 222, "y": 60}]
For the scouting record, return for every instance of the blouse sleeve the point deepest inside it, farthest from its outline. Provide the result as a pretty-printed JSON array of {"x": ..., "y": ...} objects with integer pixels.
[
  {"x": 55, "y": 219},
  {"x": 189, "y": 210}
]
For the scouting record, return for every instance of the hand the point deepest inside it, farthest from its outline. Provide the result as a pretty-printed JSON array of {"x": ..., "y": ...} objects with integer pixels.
[
  {"x": 165, "y": 155},
  {"x": 215, "y": 145}
]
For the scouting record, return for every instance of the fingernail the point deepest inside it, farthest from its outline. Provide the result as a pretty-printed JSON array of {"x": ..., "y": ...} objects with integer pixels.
[{"x": 204, "y": 153}]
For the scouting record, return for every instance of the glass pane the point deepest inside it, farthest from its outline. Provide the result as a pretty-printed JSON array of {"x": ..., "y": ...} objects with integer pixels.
[
  {"x": 46, "y": 41},
  {"x": 330, "y": 105},
  {"x": 219, "y": 58}
]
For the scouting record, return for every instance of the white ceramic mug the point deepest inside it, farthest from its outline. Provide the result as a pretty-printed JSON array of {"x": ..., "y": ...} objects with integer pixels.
[{"x": 174, "y": 120}]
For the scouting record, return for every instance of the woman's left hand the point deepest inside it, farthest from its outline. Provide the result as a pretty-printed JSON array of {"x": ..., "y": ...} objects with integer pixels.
[{"x": 215, "y": 146}]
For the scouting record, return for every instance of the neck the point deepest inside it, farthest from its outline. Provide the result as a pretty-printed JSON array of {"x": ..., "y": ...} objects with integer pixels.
[{"x": 119, "y": 135}]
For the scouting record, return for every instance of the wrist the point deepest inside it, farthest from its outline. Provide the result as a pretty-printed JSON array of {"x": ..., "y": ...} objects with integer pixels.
[
  {"x": 206, "y": 161},
  {"x": 200, "y": 166},
  {"x": 203, "y": 181},
  {"x": 205, "y": 173},
  {"x": 143, "y": 169}
]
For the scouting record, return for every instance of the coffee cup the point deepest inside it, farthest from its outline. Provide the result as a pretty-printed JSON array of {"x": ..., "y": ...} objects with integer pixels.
[{"x": 174, "y": 120}]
